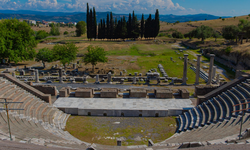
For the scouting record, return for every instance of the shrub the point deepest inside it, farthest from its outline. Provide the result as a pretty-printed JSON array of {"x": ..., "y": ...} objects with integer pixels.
[
  {"x": 66, "y": 32},
  {"x": 177, "y": 34},
  {"x": 161, "y": 34},
  {"x": 41, "y": 34},
  {"x": 223, "y": 19},
  {"x": 228, "y": 50}
]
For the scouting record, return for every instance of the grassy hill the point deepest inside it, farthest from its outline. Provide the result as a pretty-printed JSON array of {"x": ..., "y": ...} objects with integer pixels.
[{"x": 217, "y": 24}]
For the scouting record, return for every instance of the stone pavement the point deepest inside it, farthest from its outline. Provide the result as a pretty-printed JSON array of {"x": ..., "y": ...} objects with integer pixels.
[{"x": 123, "y": 103}]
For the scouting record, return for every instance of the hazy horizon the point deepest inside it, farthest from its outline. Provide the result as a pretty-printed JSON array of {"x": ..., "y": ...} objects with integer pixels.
[{"x": 166, "y": 7}]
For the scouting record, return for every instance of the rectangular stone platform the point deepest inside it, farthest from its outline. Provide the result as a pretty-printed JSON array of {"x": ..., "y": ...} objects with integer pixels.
[{"x": 128, "y": 107}]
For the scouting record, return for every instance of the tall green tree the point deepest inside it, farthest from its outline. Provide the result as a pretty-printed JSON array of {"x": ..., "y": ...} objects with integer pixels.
[
  {"x": 204, "y": 32},
  {"x": 17, "y": 41},
  {"x": 80, "y": 28},
  {"x": 94, "y": 55},
  {"x": 111, "y": 26},
  {"x": 123, "y": 28},
  {"x": 88, "y": 33},
  {"x": 142, "y": 25},
  {"x": 45, "y": 55},
  {"x": 108, "y": 27},
  {"x": 65, "y": 53},
  {"x": 55, "y": 29},
  {"x": 230, "y": 32},
  {"x": 157, "y": 23},
  {"x": 129, "y": 26},
  {"x": 90, "y": 24},
  {"x": 94, "y": 23}
]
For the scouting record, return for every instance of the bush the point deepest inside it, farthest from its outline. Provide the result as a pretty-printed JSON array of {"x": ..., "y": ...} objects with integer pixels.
[
  {"x": 170, "y": 36},
  {"x": 177, "y": 34},
  {"x": 228, "y": 50},
  {"x": 66, "y": 32},
  {"x": 161, "y": 34},
  {"x": 223, "y": 19},
  {"x": 41, "y": 34}
]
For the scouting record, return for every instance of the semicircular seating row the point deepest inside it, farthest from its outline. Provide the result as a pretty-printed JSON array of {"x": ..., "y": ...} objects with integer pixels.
[
  {"x": 38, "y": 119},
  {"x": 215, "y": 118}
]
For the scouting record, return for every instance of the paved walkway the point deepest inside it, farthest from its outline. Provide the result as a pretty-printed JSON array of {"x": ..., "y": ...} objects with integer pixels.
[{"x": 123, "y": 103}]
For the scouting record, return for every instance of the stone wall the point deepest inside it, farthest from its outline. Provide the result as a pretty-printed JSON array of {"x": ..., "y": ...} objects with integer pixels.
[
  {"x": 122, "y": 113},
  {"x": 45, "y": 97},
  {"x": 204, "y": 89},
  {"x": 46, "y": 89}
]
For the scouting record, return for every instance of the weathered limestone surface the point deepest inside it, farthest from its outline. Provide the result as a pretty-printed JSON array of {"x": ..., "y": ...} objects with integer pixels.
[
  {"x": 138, "y": 92},
  {"x": 167, "y": 93},
  {"x": 109, "y": 93},
  {"x": 84, "y": 92}
]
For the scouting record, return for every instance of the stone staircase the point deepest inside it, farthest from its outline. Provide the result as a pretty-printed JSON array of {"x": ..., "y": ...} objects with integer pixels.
[
  {"x": 39, "y": 123},
  {"x": 214, "y": 118}
]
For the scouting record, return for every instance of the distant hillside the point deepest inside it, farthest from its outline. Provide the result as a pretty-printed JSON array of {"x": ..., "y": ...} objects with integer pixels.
[{"x": 78, "y": 16}]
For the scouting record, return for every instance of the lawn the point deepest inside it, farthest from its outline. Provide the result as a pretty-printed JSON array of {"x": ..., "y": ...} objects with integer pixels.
[{"x": 133, "y": 130}]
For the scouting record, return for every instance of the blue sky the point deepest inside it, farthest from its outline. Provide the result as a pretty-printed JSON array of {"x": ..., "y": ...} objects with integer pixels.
[{"x": 176, "y": 7}]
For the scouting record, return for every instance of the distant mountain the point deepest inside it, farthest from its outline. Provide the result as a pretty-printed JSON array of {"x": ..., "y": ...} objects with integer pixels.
[{"x": 79, "y": 16}]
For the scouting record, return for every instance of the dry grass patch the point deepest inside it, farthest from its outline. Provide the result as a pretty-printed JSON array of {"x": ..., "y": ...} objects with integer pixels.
[{"x": 134, "y": 130}]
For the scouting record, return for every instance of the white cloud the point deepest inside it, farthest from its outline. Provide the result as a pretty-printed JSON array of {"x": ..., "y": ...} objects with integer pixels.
[{"x": 117, "y": 6}]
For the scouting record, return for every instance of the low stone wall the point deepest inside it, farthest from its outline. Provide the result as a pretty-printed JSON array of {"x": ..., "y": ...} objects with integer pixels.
[
  {"x": 45, "y": 97},
  {"x": 84, "y": 92},
  {"x": 109, "y": 93},
  {"x": 63, "y": 92},
  {"x": 184, "y": 93},
  {"x": 163, "y": 93},
  {"x": 204, "y": 89},
  {"x": 122, "y": 113},
  {"x": 46, "y": 89},
  {"x": 138, "y": 93}
]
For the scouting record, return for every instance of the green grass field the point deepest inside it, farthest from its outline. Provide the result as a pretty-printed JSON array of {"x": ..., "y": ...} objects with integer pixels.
[
  {"x": 149, "y": 56},
  {"x": 134, "y": 131}
]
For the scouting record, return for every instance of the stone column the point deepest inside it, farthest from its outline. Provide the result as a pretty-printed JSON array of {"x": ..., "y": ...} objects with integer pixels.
[
  {"x": 210, "y": 69},
  {"x": 36, "y": 76},
  {"x": 184, "y": 78},
  {"x": 60, "y": 75},
  {"x": 97, "y": 79},
  {"x": 13, "y": 74},
  {"x": 109, "y": 78},
  {"x": 218, "y": 78},
  {"x": 74, "y": 66},
  {"x": 134, "y": 80},
  {"x": 214, "y": 72},
  {"x": 85, "y": 80},
  {"x": 198, "y": 69}
]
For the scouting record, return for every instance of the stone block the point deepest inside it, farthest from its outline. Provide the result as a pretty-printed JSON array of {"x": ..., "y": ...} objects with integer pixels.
[
  {"x": 164, "y": 93},
  {"x": 63, "y": 92},
  {"x": 109, "y": 93},
  {"x": 184, "y": 93},
  {"x": 84, "y": 92},
  {"x": 138, "y": 92}
]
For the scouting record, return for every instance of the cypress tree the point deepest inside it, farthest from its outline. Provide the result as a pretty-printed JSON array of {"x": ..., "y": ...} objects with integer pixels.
[
  {"x": 129, "y": 26},
  {"x": 94, "y": 23},
  {"x": 111, "y": 25},
  {"x": 90, "y": 25},
  {"x": 123, "y": 28},
  {"x": 142, "y": 26},
  {"x": 108, "y": 27},
  {"x": 99, "y": 30},
  {"x": 87, "y": 20},
  {"x": 157, "y": 23},
  {"x": 103, "y": 29}
]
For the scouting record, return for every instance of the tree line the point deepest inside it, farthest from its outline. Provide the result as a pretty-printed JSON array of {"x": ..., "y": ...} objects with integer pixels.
[
  {"x": 229, "y": 32},
  {"x": 112, "y": 28}
]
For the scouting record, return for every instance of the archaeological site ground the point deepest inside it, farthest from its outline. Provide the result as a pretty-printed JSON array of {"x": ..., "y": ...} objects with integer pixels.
[{"x": 152, "y": 94}]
